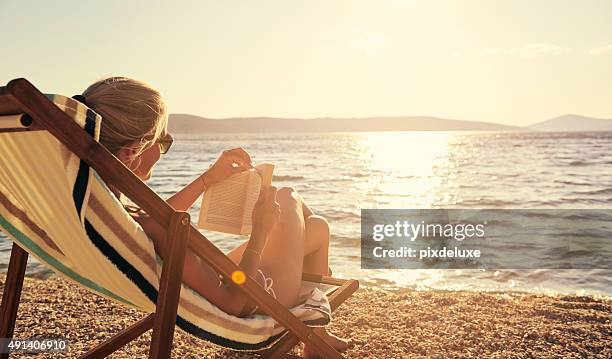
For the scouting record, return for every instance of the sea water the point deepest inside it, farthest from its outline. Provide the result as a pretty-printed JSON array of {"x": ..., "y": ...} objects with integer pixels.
[{"x": 338, "y": 174}]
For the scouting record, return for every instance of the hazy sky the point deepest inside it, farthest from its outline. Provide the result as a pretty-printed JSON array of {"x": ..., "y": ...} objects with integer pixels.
[{"x": 513, "y": 62}]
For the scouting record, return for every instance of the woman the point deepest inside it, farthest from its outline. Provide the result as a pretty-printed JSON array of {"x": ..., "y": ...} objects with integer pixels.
[{"x": 287, "y": 237}]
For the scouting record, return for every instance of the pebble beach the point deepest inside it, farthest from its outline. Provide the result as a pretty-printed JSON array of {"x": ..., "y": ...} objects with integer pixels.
[{"x": 382, "y": 324}]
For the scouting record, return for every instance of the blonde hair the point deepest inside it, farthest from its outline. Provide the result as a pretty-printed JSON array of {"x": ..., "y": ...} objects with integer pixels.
[
  {"x": 131, "y": 110},
  {"x": 133, "y": 114}
]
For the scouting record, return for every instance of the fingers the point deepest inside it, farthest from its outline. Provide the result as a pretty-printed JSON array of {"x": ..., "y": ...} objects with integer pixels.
[
  {"x": 272, "y": 198},
  {"x": 271, "y": 193},
  {"x": 231, "y": 164},
  {"x": 267, "y": 195},
  {"x": 233, "y": 158},
  {"x": 262, "y": 195},
  {"x": 241, "y": 154},
  {"x": 236, "y": 162},
  {"x": 238, "y": 168},
  {"x": 276, "y": 211}
]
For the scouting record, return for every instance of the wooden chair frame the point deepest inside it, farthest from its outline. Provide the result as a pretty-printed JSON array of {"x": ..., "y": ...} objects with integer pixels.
[{"x": 21, "y": 97}]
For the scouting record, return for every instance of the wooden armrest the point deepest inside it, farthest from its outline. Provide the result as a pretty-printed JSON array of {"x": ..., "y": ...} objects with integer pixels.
[{"x": 317, "y": 278}]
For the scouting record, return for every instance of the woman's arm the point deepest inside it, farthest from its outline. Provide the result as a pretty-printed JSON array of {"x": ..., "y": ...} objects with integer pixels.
[
  {"x": 185, "y": 198},
  {"x": 198, "y": 275},
  {"x": 227, "y": 296}
]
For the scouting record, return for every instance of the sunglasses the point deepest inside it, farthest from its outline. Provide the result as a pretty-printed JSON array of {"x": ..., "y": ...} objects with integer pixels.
[{"x": 165, "y": 142}]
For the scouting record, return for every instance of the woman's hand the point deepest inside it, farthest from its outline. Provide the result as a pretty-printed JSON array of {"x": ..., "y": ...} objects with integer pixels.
[
  {"x": 230, "y": 162},
  {"x": 266, "y": 211}
]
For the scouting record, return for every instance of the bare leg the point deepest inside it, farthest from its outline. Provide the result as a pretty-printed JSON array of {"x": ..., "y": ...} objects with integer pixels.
[
  {"x": 296, "y": 232},
  {"x": 305, "y": 209},
  {"x": 316, "y": 240},
  {"x": 316, "y": 243},
  {"x": 316, "y": 262},
  {"x": 283, "y": 256}
]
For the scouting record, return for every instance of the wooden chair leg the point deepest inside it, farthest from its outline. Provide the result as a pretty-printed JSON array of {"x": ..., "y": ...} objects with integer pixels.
[
  {"x": 12, "y": 293},
  {"x": 170, "y": 286},
  {"x": 337, "y": 297}
]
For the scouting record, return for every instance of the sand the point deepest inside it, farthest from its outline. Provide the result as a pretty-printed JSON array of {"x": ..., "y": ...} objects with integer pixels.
[{"x": 383, "y": 324}]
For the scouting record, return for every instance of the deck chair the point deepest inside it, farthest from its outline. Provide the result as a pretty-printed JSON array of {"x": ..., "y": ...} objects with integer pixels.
[{"x": 55, "y": 205}]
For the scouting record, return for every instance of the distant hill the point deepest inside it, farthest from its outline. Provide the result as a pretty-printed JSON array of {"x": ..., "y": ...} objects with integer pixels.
[
  {"x": 184, "y": 123},
  {"x": 573, "y": 123}
]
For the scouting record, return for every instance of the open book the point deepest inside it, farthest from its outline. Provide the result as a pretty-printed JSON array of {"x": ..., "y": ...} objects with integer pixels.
[{"x": 228, "y": 205}]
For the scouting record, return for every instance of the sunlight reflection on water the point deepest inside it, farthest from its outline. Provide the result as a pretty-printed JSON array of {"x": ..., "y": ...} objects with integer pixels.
[{"x": 338, "y": 174}]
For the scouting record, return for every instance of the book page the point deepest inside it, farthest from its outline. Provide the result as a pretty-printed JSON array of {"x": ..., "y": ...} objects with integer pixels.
[
  {"x": 228, "y": 206},
  {"x": 264, "y": 178},
  {"x": 265, "y": 171},
  {"x": 251, "y": 198},
  {"x": 223, "y": 204}
]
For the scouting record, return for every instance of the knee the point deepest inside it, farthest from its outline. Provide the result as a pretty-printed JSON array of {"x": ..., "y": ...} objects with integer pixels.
[
  {"x": 291, "y": 207},
  {"x": 318, "y": 226},
  {"x": 284, "y": 191},
  {"x": 286, "y": 196}
]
